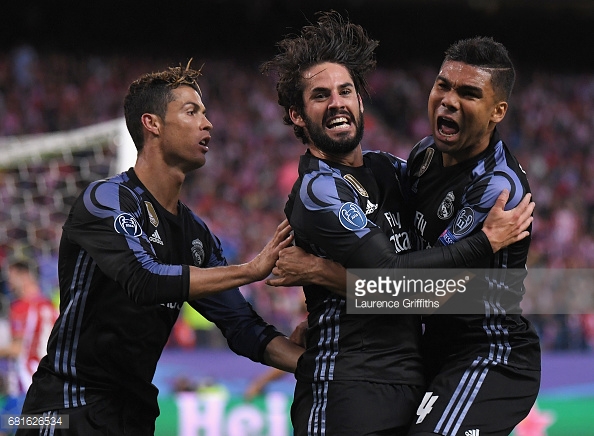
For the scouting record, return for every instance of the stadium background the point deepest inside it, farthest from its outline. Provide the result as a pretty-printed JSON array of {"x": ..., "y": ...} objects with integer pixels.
[{"x": 65, "y": 66}]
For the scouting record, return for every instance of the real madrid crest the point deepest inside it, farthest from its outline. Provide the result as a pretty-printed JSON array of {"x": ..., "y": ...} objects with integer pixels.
[
  {"x": 446, "y": 209},
  {"x": 197, "y": 252}
]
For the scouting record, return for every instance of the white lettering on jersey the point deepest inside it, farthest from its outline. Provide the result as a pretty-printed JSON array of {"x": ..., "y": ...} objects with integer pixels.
[
  {"x": 420, "y": 222},
  {"x": 393, "y": 220},
  {"x": 401, "y": 241}
]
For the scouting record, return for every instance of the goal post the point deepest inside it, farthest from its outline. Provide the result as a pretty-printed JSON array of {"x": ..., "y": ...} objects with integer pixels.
[{"x": 41, "y": 175}]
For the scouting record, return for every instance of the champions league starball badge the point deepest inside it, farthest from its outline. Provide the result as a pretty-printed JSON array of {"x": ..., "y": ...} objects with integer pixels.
[
  {"x": 351, "y": 217},
  {"x": 463, "y": 222},
  {"x": 126, "y": 224}
]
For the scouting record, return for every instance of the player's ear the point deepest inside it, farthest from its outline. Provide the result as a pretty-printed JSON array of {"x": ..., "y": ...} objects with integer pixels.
[
  {"x": 361, "y": 108},
  {"x": 296, "y": 117},
  {"x": 499, "y": 111},
  {"x": 151, "y": 123}
]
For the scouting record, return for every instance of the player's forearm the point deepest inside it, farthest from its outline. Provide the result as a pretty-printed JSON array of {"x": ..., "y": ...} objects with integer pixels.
[
  {"x": 283, "y": 354},
  {"x": 333, "y": 276},
  {"x": 209, "y": 281},
  {"x": 295, "y": 267},
  {"x": 329, "y": 274}
]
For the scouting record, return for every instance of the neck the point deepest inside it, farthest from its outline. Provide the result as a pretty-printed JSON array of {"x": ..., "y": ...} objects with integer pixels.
[
  {"x": 162, "y": 181},
  {"x": 450, "y": 159},
  {"x": 353, "y": 158}
]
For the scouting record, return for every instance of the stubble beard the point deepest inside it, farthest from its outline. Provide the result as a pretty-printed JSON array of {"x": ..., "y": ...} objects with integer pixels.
[{"x": 325, "y": 143}]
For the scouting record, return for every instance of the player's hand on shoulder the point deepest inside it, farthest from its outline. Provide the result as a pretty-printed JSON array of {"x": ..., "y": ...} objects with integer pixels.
[
  {"x": 263, "y": 263},
  {"x": 503, "y": 227}
]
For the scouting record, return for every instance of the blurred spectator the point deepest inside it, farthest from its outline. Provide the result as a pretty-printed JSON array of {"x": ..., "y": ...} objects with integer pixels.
[
  {"x": 259, "y": 384},
  {"x": 32, "y": 316}
]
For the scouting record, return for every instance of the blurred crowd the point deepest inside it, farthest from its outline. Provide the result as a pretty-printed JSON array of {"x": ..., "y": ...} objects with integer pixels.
[{"x": 252, "y": 161}]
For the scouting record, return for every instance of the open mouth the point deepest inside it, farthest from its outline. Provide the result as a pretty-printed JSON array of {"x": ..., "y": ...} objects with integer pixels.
[
  {"x": 447, "y": 126},
  {"x": 338, "y": 123}
]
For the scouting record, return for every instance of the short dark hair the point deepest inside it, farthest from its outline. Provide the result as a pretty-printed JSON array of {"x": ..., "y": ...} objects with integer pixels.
[
  {"x": 485, "y": 52},
  {"x": 22, "y": 263},
  {"x": 151, "y": 93},
  {"x": 331, "y": 39}
]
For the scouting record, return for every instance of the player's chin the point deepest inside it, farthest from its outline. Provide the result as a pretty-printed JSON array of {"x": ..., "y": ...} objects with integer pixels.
[
  {"x": 195, "y": 164},
  {"x": 445, "y": 142}
]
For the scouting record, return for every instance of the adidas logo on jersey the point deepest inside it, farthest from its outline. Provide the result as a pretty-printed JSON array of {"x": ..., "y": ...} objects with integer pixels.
[
  {"x": 370, "y": 208},
  {"x": 156, "y": 238},
  {"x": 474, "y": 432}
]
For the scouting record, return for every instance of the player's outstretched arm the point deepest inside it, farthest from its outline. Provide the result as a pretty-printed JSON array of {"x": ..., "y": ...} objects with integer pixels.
[
  {"x": 208, "y": 281},
  {"x": 503, "y": 227},
  {"x": 297, "y": 338},
  {"x": 282, "y": 353},
  {"x": 295, "y": 267}
]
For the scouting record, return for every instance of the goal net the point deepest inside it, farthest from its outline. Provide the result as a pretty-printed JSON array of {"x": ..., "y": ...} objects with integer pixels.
[{"x": 41, "y": 175}]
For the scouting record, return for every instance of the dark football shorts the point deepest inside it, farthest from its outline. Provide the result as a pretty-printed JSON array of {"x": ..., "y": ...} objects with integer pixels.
[
  {"x": 477, "y": 399},
  {"x": 103, "y": 417},
  {"x": 353, "y": 408}
]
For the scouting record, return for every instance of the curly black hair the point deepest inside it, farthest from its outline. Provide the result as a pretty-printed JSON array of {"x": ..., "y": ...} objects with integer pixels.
[
  {"x": 151, "y": 93},
  {"x": 331, "y": 39}
]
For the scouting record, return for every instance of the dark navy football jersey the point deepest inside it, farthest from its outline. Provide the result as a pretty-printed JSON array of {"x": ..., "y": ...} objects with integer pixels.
[
  {"x": 357, "y": 217},
  {"x": 450, "y": 204},
  {"x": 334, "y": 210},
  {"x": 124, "y": 275}
]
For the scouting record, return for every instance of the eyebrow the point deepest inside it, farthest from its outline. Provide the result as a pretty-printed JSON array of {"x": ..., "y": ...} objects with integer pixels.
[
  {"x": 341, "y": 86},
  {"x": 467, "y": 88},
  {"x": 196, "y": 105}
]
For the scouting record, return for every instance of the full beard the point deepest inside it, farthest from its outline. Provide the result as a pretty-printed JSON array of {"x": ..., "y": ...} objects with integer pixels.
[{"x": 325, "y": 143}]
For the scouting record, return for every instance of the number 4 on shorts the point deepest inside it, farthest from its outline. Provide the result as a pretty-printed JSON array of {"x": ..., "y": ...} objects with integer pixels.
[{"x": 426, "y": 406}]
